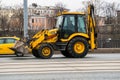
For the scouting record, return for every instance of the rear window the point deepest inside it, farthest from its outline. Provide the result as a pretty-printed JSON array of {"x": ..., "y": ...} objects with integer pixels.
[{"x": 81, "y": 24}]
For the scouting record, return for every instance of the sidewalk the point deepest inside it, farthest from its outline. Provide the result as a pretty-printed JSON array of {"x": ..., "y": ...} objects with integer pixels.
[{"x": 106, "y": 50}]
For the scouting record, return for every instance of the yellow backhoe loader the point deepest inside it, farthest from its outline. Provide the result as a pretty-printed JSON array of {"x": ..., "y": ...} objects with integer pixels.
[{"x": 74, "y": 34}]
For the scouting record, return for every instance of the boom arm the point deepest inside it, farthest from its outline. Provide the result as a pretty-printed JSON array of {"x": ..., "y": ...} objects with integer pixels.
[{"x": 44, "y": 36}]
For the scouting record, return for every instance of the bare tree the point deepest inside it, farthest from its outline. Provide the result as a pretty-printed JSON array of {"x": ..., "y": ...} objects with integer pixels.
[
  {"x": 111, "y": 12},
  {"x": 17, "y": 21},
  {"x": 3, "y": 24},
  {"x": 4, "y": 20},
  {"x": 60, "y": 7},
  {"x": 19, "y": 15},
  {"x": 34, "y": 5}
]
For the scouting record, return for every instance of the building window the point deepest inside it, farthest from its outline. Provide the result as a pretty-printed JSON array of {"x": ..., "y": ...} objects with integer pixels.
[
  {"x": 32, "y": 20},
  {"x": 36, "y": 20},
  {"x": 44, "y": 11}
]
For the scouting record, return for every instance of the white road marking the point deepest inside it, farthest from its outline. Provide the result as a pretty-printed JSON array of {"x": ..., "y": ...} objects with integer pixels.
[{"x": 56, "y": 66}]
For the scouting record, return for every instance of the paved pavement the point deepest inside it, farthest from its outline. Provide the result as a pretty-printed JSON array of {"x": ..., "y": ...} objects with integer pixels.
[{"x": 92, "y": 67}]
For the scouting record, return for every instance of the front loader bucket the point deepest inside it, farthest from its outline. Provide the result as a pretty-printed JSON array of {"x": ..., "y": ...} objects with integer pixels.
[
  {"x": 13, "y": 49},
  {"x": 20, "y": 47}
]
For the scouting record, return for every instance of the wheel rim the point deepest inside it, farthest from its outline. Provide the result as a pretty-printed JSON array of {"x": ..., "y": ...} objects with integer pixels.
[
  {"x": 46, "y": 51},
  {"x": 79, "y": 47}
]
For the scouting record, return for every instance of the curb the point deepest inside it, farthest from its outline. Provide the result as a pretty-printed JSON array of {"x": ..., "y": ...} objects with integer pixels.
[
  {"x": 106, "y": 50},
  {"x": 101, "y": 50}
]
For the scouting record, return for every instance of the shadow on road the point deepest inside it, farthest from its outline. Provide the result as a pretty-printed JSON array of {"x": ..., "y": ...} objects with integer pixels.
[
  {"x": 53, "y": 58},
  {"x": 12, "y": 56},
  {"x": 31, "y": 57},
  {"x": 7, "y": 56}
]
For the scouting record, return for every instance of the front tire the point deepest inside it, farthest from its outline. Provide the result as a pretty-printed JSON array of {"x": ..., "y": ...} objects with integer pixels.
[
  {"x": 19, "y": 54},
  {"x": 66, "y": 54},
  {"x": 78, "y": 47},
  {"x": 45, "y": 51},
  {"x": 35, "y": 53}
]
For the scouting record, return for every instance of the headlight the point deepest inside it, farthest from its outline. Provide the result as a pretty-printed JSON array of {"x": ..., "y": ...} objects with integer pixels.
[
  {"x": 53, "y": 32},
  {"x": 51, "y": 35}
]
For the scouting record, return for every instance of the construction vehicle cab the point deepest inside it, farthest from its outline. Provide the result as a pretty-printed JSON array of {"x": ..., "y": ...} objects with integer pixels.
[
  {"x": 73, "y": 36},
  {"x": 70, "y": 23}
]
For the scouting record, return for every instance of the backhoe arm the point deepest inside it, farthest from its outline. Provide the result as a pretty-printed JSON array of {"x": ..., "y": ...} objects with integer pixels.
[{"x": 91, "y": 26}]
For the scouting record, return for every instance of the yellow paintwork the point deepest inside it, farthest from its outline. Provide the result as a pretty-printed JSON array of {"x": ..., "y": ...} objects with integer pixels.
[
  {"x": 66, "y": 12},
  {"x": 46, "y": 36},
  {"x": 39, "y": 37},
  {"x": 51, "y": 36},
  {"x": 46, "y": 51},
  {"x": 4, "y": 48},
  {"x": 79, "y": 47},
  {"x": 91, "y": 23},
  {"x": 75, "y": 35}
]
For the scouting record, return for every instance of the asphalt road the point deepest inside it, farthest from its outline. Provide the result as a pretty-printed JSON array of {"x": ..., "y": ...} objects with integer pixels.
[{"x": 98, "y": 66}]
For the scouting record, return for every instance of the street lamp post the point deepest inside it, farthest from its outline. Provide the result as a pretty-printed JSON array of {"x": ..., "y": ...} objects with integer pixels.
[{"x": 25, "y": 19}]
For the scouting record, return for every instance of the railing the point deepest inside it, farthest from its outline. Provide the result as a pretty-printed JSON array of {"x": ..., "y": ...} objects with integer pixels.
[{"x": 108, "y": 43}]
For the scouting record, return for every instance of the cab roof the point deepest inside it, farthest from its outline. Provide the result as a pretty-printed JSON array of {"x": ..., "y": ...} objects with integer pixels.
[
  {"x": 11, "y": 37},
  {"x": 71, "y": 13}
]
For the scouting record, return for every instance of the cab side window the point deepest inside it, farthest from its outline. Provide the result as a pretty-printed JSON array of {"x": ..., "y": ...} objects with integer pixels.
[
  {"x": 68, "y": 26},
  {"x": 69, "y": 23},
  {"x": 1, "y": 41},
  {"x": 9, "y": 40}
]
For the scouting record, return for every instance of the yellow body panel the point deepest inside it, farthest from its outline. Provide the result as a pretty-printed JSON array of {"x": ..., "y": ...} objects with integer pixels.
[
  {"x": 74, "y": 35},
  {"x": 91, "y": 23},
  {"x": 46, "y": 36},
  {"x": 66, "y": 12},
  {"x": 4, "y": 47}
]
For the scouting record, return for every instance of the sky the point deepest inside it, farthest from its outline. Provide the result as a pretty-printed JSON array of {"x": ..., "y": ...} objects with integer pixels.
[{"x": 70, "y": 4}]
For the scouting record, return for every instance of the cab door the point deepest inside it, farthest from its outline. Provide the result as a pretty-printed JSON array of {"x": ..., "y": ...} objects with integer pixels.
[
  {"x": 68, "y": 26},
  {"x": 2, "y": 42}
]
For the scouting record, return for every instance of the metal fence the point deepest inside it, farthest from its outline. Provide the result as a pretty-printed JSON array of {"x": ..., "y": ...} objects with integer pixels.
[
  {"x": 109, "y": 36},
  {"x": 108, "y": 43}
]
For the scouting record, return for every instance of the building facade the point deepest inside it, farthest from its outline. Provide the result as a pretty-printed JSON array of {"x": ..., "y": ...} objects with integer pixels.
[
  {"x": 7, "y": 12},
  {"x": 41, "y": 17},
  {"x": 118, "y": 16}
]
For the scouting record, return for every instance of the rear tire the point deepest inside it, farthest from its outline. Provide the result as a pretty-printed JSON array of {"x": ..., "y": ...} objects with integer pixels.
[
  {"x": 45, "y": 51},
  {"x": 78, "y": 47}
]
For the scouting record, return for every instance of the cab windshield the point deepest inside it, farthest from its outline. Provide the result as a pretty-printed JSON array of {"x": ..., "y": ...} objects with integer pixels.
[{"x": 59, "y": 21}]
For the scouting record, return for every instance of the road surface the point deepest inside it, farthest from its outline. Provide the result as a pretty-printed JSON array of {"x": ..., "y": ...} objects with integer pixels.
[{"x": 92, "y": 67}]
